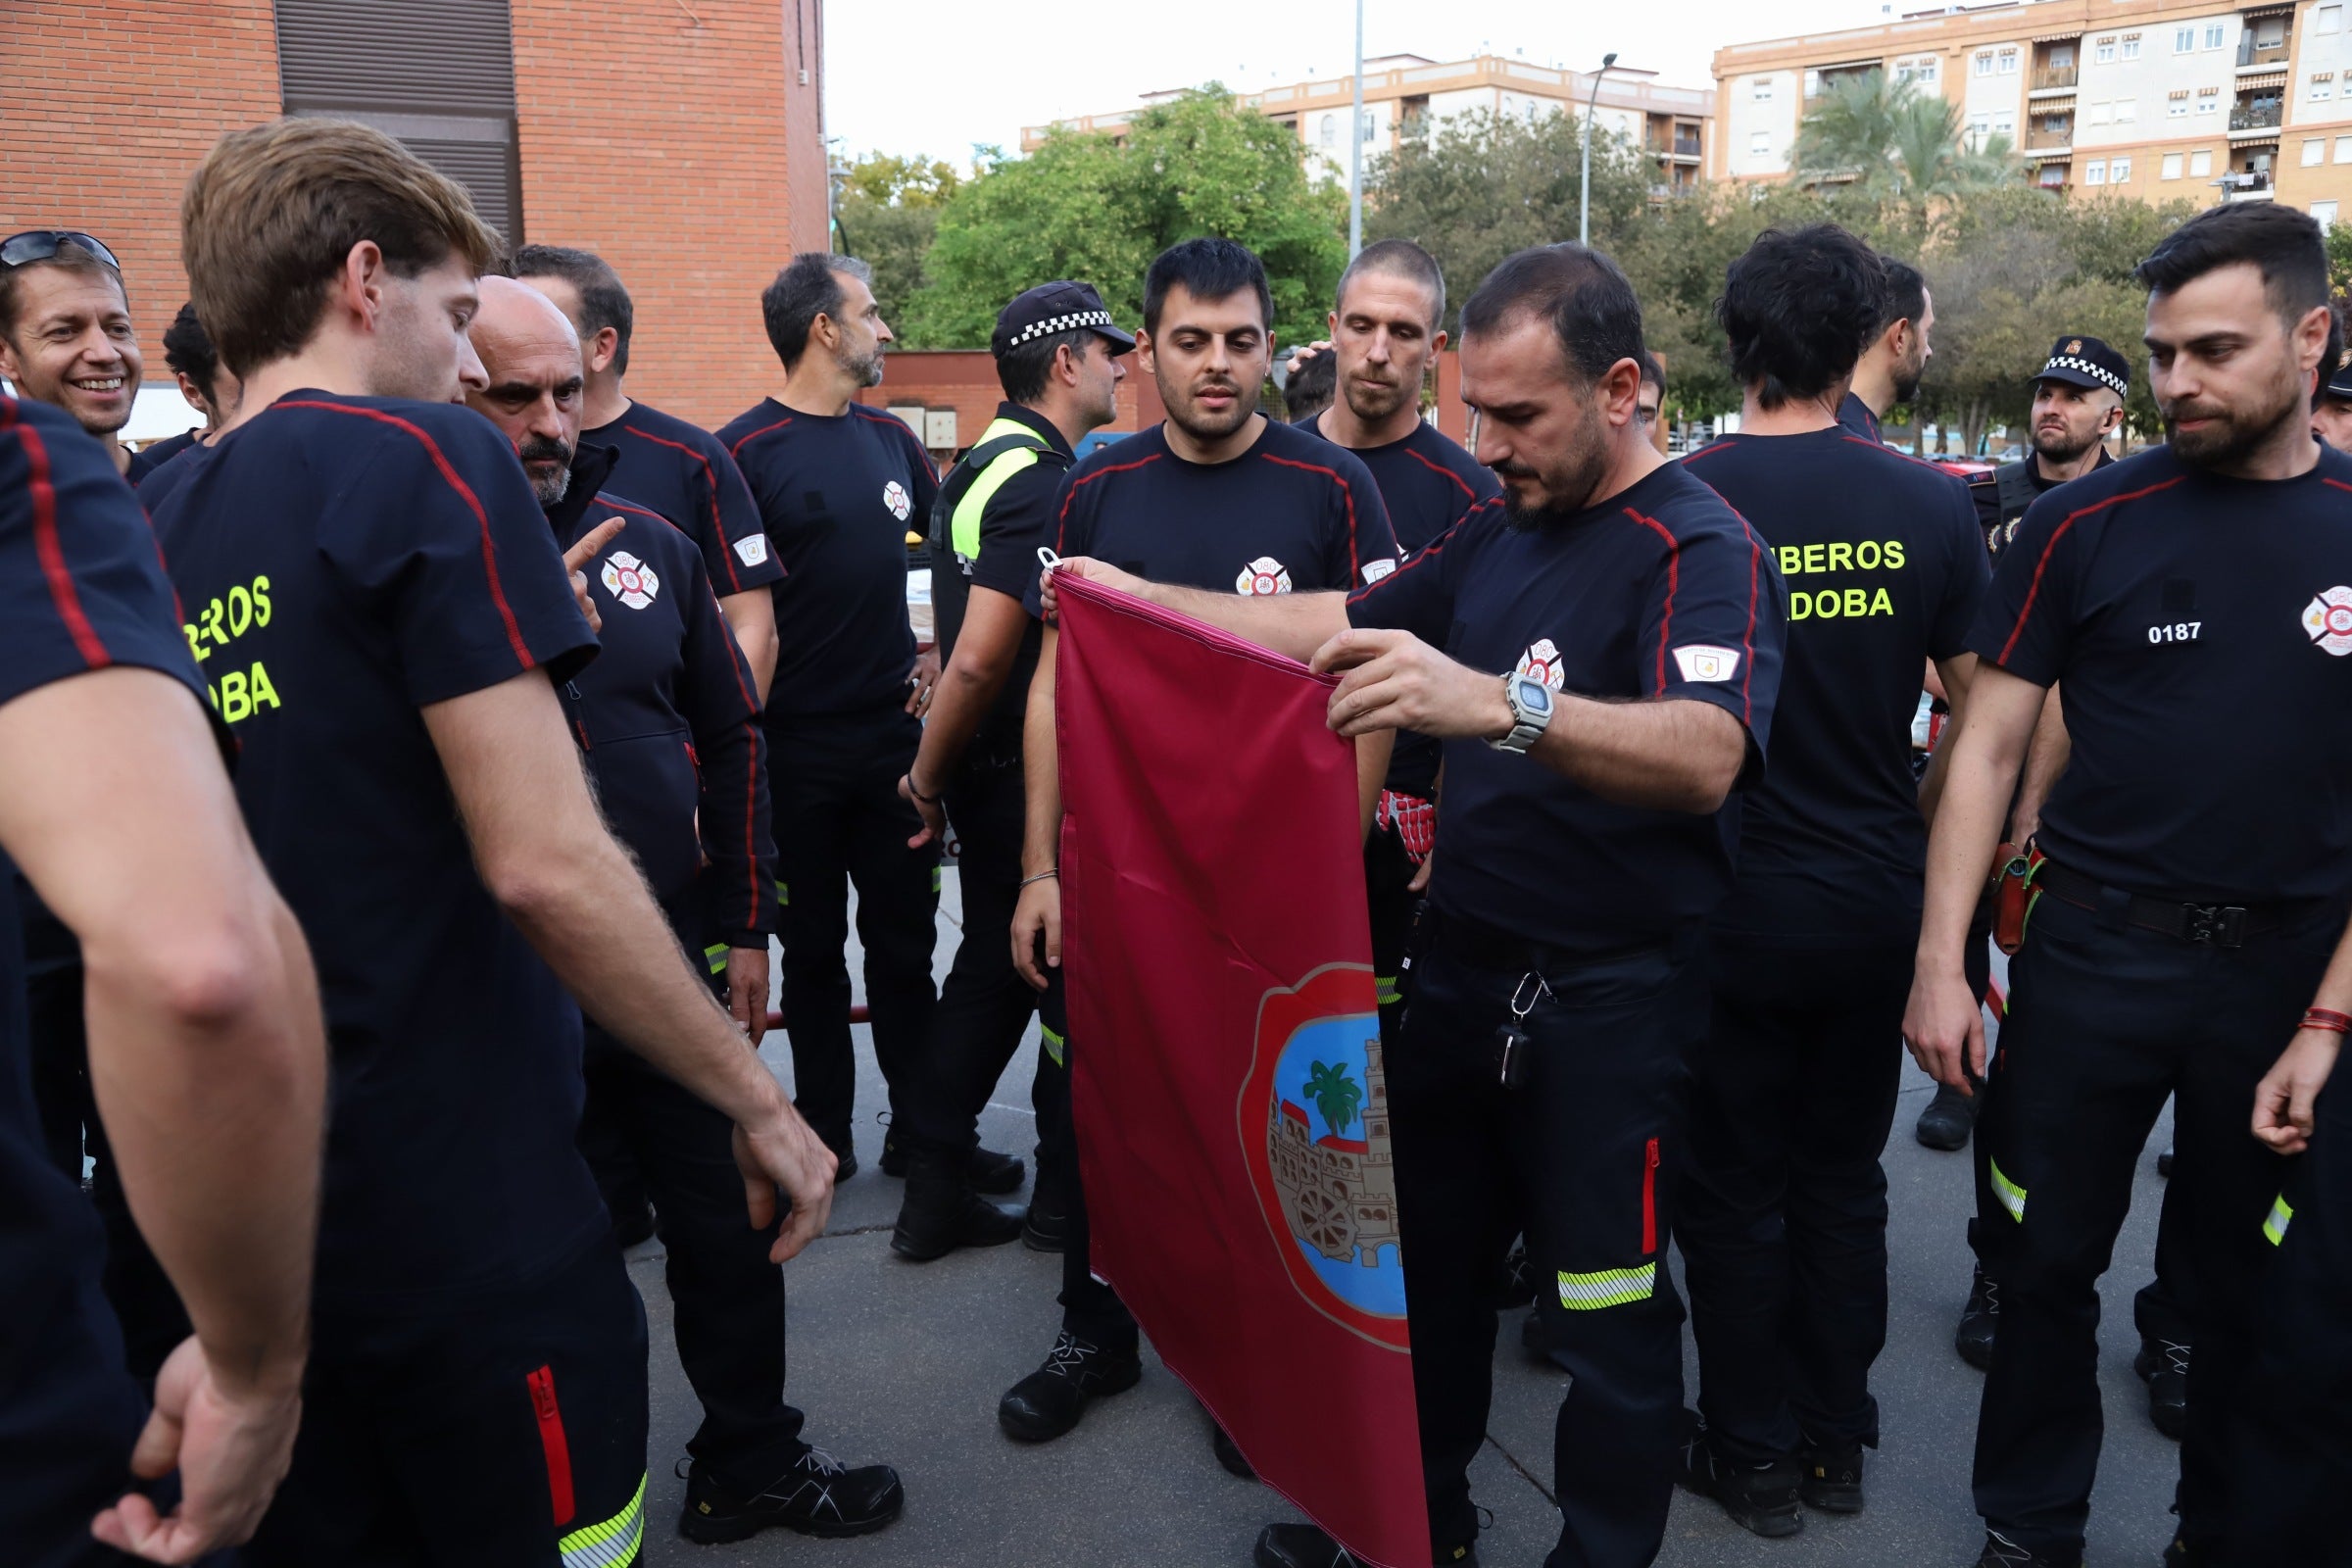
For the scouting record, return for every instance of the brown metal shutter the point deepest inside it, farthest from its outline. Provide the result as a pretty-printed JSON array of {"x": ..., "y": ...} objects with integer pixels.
[{"x": 439, "y": 74}]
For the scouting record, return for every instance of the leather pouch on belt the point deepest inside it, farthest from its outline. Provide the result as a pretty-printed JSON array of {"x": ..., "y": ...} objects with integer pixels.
[{"x": 2013, "y": 896}]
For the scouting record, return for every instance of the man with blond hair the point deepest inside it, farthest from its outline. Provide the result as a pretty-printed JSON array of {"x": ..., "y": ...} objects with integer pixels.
[{"x": 379, "y": 609}]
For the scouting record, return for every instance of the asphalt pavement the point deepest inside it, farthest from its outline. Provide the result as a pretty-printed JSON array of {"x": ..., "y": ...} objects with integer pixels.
[{"x": 904, "y": 1363}]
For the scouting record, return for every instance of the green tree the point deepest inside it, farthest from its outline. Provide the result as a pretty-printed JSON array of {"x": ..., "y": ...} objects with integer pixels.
[
  {"x": 1891, "y": 137},
  {"x": 886, "y": 212},
  {"x": 1337, "y": 1096},
  {"x": 1098, "y": 207}
]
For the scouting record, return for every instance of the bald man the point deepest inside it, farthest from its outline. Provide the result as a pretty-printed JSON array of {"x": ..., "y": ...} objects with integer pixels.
[{"x": 669, "y": 728}]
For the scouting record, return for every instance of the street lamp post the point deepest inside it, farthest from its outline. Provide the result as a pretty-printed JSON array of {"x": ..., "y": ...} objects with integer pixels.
[
  {"x": 1355, "y": 154},
  {"x": 1584, "y": 196}
]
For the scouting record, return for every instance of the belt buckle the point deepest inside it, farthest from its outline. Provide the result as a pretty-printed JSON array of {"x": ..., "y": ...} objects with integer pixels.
[{"x": 2222, "y": 924}]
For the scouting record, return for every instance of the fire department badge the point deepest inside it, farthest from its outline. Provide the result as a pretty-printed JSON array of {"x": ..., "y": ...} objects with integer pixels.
[
  {"x": 1706, "y": 661},
  {"x": 2328, "y": 621},
  {"x": 1542, "y": 661},
  {"x": 1314, "y": 1133},
  {"x": 1264, "y": 575},
  {"x": 630, "y": 580},
  {"x": 896, "y": 498}
]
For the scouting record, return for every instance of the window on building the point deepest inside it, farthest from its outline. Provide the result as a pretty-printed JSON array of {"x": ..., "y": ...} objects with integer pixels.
[
  {"x": 2324, "y": 214},
  {"x": 1372, "y": 122},
  {"x": 1330, "y": 131},
  {"x": 1759, "y": 145},
  {"x": 2126, "y": 110},
  {"x": 1762, "y": 92},
  {"x": 2184, "y": 40},
  {"x": 1979, "y": 126},
  {"x": 2176, "y": 109},
  {"x": 2213, "y": 34},
  {"x": 2208, "y": 106},
  {"x": 2094, "y": 172},
  {"x": 2053, "y": 175},
  {"x": 2119, "y": 171},
  {"x": 2005, "y": 124},
  {"x": 2132, "y": 47},
  {"x": 1985, "y": 63},
  {"x": 2103, "y": 54},
  {"x": 1928, "y": 69},
  {"x": 2327, "y": 18},
  {"x": 2315, "y": 151},
  {"x": 2102, "y": 114},
  {"x": 2322, "y": 88},
  {"x": 2344, "y": 149},
  {"x": 2200, "y": 163},
  {"x": 2008, "y": 58},
  {"x": 2062, "y": 58},
  {"x": 2172, "y": 167}
]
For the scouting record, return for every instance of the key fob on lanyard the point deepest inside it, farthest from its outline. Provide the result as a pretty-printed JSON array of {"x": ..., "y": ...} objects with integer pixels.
[{"x": 1511, "y": 1040}]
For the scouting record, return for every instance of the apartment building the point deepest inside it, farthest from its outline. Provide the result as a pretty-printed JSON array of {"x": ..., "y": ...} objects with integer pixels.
[
  {"x": 2159, "y": 99},
  {"x": 1401, "y": 92}
]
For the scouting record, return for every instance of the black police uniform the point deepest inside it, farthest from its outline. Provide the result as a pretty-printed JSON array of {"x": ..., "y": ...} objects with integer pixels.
[
  {"x": 91, "y": 595},
  {"x": 1783, "y": 1213},
  {"x": 477, "y": 1390},
  {"x": 985, "y": 1005},
  {"x": 669, "y": 728},
  {"x": 837, "y": 496},
  {"x": 1293, "y": 513},
  {"x": 1428, "y": 483},
  {"x": 683, "y": 472},
  {"x": 1583, "y": 915},
  {"x": 2200, "y": 855}
]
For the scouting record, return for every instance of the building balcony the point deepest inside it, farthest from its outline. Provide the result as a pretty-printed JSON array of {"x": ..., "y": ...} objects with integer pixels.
[
  {"x": 2055, "y": 78},
  {"x": 2054, "y": 140},
  {"x": 2245, "y": 185},
  {"x": 2252, "y": 55},
  {"x": 2263, "y": 114}
]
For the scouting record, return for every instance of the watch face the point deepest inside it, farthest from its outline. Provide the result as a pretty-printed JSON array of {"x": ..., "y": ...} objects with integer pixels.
[{"x": 1534, "y": 696}]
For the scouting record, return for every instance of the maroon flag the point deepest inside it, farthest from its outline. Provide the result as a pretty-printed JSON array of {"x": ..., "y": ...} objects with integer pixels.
[{"x": 1232, "y": 1112}]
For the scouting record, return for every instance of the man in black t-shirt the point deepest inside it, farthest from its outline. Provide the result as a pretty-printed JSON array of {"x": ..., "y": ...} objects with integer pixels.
[
  {"x": 1386, "y": 338},
  {"x": 678, "y": 469},
  {"x": 1611, "y": 635},
  {"x": 1782, "y": 1218},
  {"x": 838, "y": 486},
  {"x": 1228, "y": 502},
  {"x": 205, "y": 1035},
  {"x": 2194, "y": 601},
  {"x": 210, "y": 388},
  {"x": 381, "y": 615},
  {"x": 66, "y": 336},
  {"x": 1896, "y": 354},
  {"x": 1059, "y": 358}
]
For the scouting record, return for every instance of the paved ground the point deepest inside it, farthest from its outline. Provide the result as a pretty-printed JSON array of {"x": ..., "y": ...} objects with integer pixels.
[{"x": 904, "y": 1363}]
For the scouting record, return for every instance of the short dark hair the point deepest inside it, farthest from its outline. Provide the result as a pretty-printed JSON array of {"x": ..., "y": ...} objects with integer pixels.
[
  {"x": 2284, "y": 243},
  {"x": 1652, "y": 372},
  {"x": 67, "y": 258},
  {"x": 1023, "y": 371},
  {"x": 1309, "y": 388},
  {"x": 1591, "y": 309},
  {"x": 604, "y": 302},
  {"x": 1210, "y": 270},
  {"x": 809, "y": 286},
  {"x": 1906, "y": 295},
  {"x": 1797, "y": 309},
  {"x": 1400, "y": 258},
  {"x": 188, "y": 350}
]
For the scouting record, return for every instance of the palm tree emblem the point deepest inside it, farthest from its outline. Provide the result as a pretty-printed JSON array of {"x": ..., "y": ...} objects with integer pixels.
[{"x": 1336, "y": 1094}]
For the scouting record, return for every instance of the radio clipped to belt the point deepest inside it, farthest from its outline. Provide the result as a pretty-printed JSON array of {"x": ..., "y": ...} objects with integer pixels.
[{"x": 2014, "y": 894}]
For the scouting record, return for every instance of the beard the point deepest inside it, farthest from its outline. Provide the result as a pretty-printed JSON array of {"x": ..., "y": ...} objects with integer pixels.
[
  {"x": 546, "y": 449},
  {"x": 1201, "y": 424},
  {"x": 1906, "y": 381},
  {"x": 1569, "y": 484},
  {"x": 1372, "y": 402},
  {"x": 2061, "y": 445},
  {"x": 2234, "y": 433},
  {"x": 866, "y": 368}
]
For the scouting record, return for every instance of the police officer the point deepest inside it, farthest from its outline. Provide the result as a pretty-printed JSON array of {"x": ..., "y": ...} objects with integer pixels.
[
  {"x": 2331, "y": 405},
  {"x": 1591, "y": 737},
  {"x": 1896, "y": 355},
  {"x": 2078, "y": 403},
  {"x": 1058, "y": 359},
  {"x": 205, "y": 1037},
  {"x": 2198, "y": 860},
  {"x": 1241, "y": 507},
  {"x": 1783, "y": 1212}
]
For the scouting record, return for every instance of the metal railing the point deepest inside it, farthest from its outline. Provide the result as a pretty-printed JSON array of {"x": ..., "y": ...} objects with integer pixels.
[
  {"x": 2039, "y": 138},
  {"x": 2056, "y": 76},
  {"x": 2250, "y": 53},
  {"x": 2245, "y": 179},
  {"x": 2262, "y": 116}
]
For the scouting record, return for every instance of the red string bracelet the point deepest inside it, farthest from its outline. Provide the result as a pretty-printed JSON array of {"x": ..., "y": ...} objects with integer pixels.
[{"x": 2336, "y": 1023}]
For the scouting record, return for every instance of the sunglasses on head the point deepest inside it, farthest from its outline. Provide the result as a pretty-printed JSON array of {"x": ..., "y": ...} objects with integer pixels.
[{"x": 41, "y": 244}]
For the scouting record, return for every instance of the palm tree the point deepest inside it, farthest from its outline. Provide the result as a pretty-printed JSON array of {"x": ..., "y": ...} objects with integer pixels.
[
  {"x": 1893, "y": 138},
  {"x": 1334, "y": 1093}
]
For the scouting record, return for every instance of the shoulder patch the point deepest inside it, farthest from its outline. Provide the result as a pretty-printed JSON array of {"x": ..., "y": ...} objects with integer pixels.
[
  {"x": 752, "y": 548},
  {"x": 1705, "y": 661},
  {"x": 1374, "y": 570}
]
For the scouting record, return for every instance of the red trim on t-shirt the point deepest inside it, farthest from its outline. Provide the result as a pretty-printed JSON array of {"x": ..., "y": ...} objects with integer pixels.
[
  {"x": 905, "y": 429},
  {"x": 717, "y": 527},
  {"x": 481, "y": 517},
  {"x": 2033, "y": 588},
  {"x": 736, "y": 451},
  {"x": 48, "y": 547},
  {"x": 1061, "y": 523},
  {"x": 1884, "y": 450},
  {"x": 1346, "y": 490},
  {"x": 554, "y": 1444},
  {"x": 1674, "y": 575},
  {"x": 1707, "y": 450},
  {"x": 1459, "y": 482},
  {"x": 1747, "y": 638}
]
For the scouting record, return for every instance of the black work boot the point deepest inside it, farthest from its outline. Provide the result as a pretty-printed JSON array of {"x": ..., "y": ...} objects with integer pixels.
[
  {"x": 1761, "y": 1498},
  {"x": 1307, "y": 1546},
  {"x": 2002, "y": 1552},
  {"x": 987, "y": 1172},
  {"x": 1978, "y": 1321},
  {"x": 1047, "y": 1227},
  {"x": 2162, "y": 1366},
  {"x": 940, "y": 1212},
  {"x": 1947, "y": 1120},
  {"x": 1830, "y": 1478},
  {"x": 816, "y": 1496},
  {"x": 1048, "y": 1401}
]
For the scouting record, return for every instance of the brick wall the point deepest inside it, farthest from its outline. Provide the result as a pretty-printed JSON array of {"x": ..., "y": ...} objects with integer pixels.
[
  {"x": 966, "y": 382},
  {"x": 677, "y": 166},
  {"x": 105, "y": 108}
]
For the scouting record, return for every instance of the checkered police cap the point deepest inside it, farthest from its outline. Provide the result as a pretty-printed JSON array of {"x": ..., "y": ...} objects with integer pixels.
[{"x": 1053, "y": 308}]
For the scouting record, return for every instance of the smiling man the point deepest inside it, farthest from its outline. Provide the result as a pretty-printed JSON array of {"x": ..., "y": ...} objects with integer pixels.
[{"x": 65, "y": 331}]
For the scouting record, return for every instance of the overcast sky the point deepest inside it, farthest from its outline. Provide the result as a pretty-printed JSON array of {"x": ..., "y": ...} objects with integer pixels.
[{"x": 937, "y": 76}]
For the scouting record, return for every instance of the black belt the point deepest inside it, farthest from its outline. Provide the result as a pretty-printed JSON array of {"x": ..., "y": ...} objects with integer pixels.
[
  {"x": 1480, "y": 946},
  {"x": 2224, "y": 925}
]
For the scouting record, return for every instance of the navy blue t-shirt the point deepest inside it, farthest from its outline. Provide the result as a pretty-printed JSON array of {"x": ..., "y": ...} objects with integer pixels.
[
  {"x": 345, "y": 561},
  {"x": 2202, "y": 629},
  {"x": 155, "y": 453},
  {"x": 1660, "y": 591},
  {"x": 838, "y": 495},
  {"x": 89, "y": 594},
  {"x": 683, "y": 472},
  {"x": 1885, "y": 569},
  {"x": 1426, "y": 482},
  {"x": 1292, "y": 514},
  {"x": 1855, "y": 415},
  {"x": 667, "y": 719}
]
